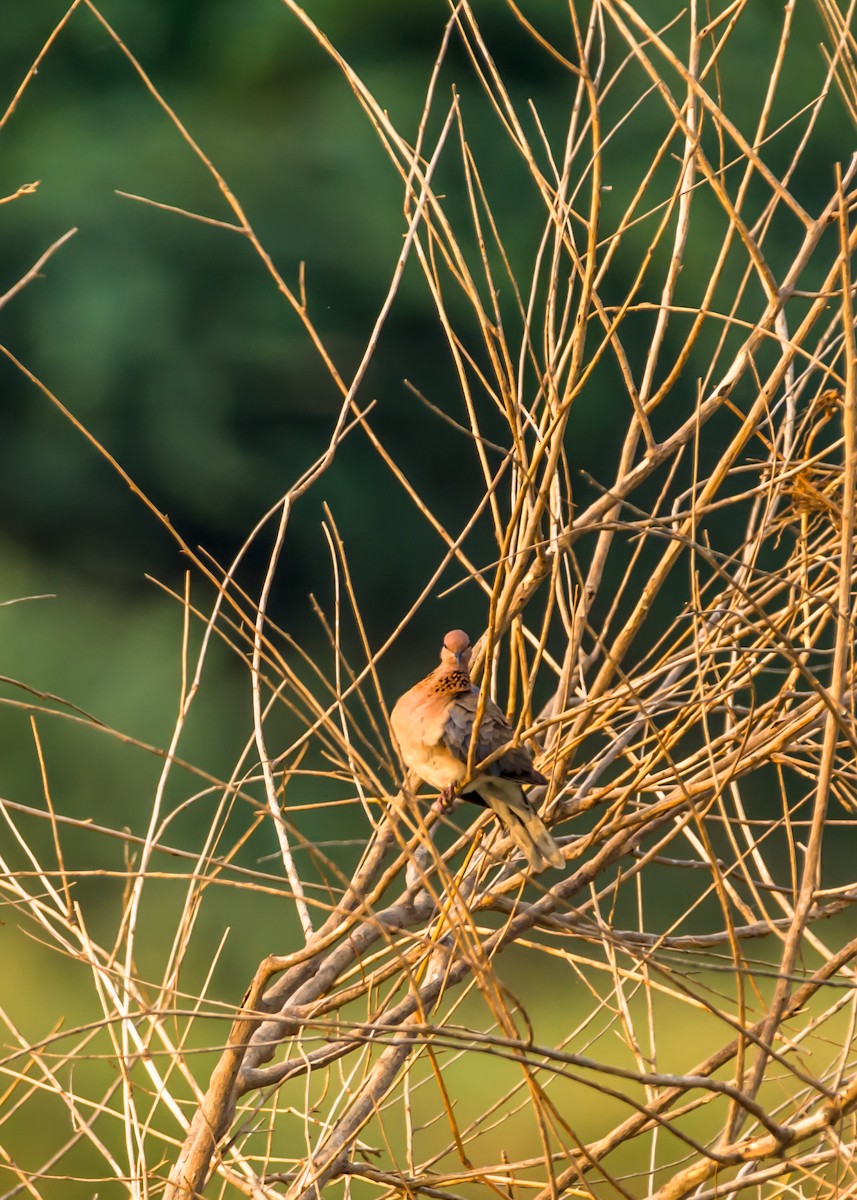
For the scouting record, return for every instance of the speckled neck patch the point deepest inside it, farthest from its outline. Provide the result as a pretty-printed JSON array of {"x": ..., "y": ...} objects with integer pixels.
[{"x": 452, "y": 683}]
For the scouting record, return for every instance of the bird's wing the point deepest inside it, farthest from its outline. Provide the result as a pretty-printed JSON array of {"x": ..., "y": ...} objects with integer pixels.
[{"x": 494, "y": 732}]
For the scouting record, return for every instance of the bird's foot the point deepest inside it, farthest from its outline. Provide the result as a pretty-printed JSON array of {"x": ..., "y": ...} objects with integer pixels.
[{"x": 445, "y": 801}]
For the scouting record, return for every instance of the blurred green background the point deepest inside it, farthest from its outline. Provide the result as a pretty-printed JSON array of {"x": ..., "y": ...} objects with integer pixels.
[{"x": 169, "y": 341}]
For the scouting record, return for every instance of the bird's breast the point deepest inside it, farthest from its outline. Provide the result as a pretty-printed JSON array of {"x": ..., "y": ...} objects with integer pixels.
[{"x": 418, "y": 723}]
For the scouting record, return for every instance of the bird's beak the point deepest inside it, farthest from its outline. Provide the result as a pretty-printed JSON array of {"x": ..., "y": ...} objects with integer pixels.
[{"x": 458, "y": 658}]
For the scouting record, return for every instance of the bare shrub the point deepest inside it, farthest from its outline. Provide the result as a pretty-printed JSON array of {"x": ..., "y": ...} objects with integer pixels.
[{"x": 674, "y": 1013}]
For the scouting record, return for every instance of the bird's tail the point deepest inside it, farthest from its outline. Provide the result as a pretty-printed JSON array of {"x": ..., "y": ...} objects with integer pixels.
[{"x": 525, "y": 827}]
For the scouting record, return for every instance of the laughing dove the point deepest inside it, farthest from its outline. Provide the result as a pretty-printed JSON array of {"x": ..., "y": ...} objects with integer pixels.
[{"x": 433, "y": 724}]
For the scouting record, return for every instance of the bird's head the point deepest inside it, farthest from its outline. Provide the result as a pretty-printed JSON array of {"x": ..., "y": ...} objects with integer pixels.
[{"x": 456, "y": 650}]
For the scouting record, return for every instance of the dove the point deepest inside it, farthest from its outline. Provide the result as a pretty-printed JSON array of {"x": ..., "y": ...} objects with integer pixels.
[{"x": 433, "y": 724}]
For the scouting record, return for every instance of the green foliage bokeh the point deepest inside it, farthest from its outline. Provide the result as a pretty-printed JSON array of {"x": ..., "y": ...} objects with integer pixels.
[{"x": 169, "y": 341}]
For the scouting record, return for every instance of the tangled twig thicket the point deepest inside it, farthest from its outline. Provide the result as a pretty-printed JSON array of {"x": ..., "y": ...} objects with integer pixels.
[{"x": 675, "y": 642}]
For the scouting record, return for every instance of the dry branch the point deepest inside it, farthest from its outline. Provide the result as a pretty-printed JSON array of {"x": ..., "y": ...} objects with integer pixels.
[{"x": 674, "y": 637}]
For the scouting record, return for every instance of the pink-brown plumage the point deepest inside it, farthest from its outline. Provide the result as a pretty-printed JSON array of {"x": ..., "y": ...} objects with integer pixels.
[{"x": 433, "y": 723}]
